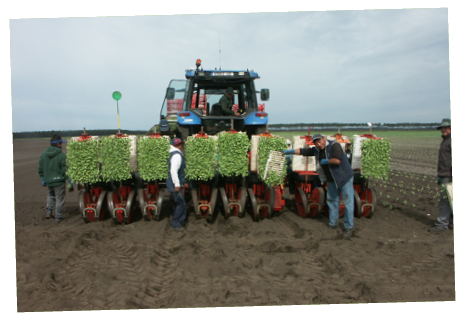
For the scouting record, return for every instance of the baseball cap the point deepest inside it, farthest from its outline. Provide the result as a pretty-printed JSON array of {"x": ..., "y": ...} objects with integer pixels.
[
  {"x": 164, "y": 125},
  {"x": 176, "y": 142},
  {"x": 56, "y": 139},
  {"x": 316, "y": 136},
  {"x": 230, "y": 90}
]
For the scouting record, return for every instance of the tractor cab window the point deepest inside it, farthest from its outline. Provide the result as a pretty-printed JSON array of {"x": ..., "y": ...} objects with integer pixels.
[
  {"x": 205, "y": 99},
  {"x": 174, "y": 99}
]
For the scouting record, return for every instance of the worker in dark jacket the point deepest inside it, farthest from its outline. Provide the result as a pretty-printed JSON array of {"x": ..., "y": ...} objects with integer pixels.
[
  {"x": 226, "y": 103},
  {"x": 333, "y": 169},
  {"x": 52, "y": 171},
  {"x": 445, "y": 218},
  {"x": 175, "y": 183}
]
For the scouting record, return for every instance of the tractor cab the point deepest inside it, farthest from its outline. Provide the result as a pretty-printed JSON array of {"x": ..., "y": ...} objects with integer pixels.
[{"x": 194, "y": 103}]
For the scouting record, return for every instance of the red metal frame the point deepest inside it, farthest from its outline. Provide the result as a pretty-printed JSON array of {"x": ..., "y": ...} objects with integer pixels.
[
  {"x": 370, "y": 136},
  {"x": 84, "y": 136}
]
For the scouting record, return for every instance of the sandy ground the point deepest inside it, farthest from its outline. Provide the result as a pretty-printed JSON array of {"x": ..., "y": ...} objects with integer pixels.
[{"x": 285, "y": 260}]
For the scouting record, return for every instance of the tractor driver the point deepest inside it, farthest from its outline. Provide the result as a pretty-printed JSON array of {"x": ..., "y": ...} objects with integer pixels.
[{"x": 226, "y": 103}]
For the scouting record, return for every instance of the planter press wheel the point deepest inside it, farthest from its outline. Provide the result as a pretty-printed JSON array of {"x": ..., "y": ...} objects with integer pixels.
[
  {"x": 214, "y": 196},
  {"x": 118, "y": 216},
  {"x": 235, "y": 210},
  {"x": 269, "y": 198},
  {"x": 156, "y": 216},
  {"x": 262, "y": 211},
  {"x": 316, "y": 197},
  {"x": 81, "y": 204},
  {"x": 102, "y": 205},
  {"x": 85, "y": 201},
  {"x": 301, "y": 202},
  {"x": 195, "y": 203},
  {"x": 112, "y": 199},
  {"x": 254, "y": 204},
  {"x": 368, "y": 202},
  {"x": 357, "y": 205},
  {"x": 142, "y": 197},
  {"x": 243, "y": 201},
  {"x": 130, "y": 206},
  {"x": 224, "y": 200}
]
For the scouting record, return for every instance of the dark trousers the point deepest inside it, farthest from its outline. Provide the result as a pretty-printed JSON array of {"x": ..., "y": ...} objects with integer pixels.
[
  {"x": 446, "y": 217},
  {"x": 179, "y": 209},
  {"x": 56, "y": 198}
]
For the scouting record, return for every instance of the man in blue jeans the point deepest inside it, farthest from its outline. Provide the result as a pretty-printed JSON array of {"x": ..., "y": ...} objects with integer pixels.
[
  {"x": 175, "y": 183},
  {"x": 335, "y": 170}
]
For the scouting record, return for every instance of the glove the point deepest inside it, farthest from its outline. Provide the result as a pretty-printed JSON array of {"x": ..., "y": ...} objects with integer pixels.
[
  {"x": 439, "y": 181},
  {"x": 324, "y": 162},
  {"x": 288, "y": 151},
  {"x": 70, "y": 185},
  {"x": 43, "y": 181}
]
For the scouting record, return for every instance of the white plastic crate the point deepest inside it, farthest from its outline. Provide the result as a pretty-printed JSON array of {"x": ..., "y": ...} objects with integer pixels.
[
  {"x": 275, "y": 162},
  {"x": 302, "y": 163},
  {"x": 357, "y": 152},
  {"x": 343, "y": 144},
  {"x": 254, "y": 153}
]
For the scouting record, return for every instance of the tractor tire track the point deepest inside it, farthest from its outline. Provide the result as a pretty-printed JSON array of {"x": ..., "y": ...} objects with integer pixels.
[
  {"x": 80, "y": 260},
  {"x": 130, "y": 272},
  {"x": 293, "y": 226},
  {"x": 158, "y": 290}
]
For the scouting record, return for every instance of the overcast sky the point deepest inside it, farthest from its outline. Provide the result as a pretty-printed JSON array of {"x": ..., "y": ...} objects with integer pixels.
[{"x": 339, "y": 66}]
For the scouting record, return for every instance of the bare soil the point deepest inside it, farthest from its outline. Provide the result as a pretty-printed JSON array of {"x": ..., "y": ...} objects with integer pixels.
[{"x": 286, "y": 260}]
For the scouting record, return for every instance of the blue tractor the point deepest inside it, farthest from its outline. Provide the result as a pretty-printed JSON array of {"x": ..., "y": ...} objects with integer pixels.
[{"x": 191, "y": 105}]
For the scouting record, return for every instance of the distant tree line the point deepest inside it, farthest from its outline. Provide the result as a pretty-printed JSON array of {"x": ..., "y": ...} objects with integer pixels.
[
  {"x": 73, "y": 133},
  {"x": 351, "y": 126},
  {"x": 274, "y": 127}
]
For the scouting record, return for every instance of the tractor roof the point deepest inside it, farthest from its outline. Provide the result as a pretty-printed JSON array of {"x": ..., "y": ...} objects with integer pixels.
[{"x": 215, "y": 74}]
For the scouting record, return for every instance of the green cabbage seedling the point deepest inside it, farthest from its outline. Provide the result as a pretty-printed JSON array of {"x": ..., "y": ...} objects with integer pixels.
[
  {"x": 83, "y": 161},
  {"x": 200, "y": 158},
  {"x": 115, "y": 158},
  {"x": 152, "y": 158},
  {"x": 233, "y": 150}
]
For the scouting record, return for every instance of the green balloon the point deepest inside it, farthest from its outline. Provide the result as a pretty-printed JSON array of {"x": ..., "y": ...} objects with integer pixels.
[{"x": 116, "y": 95}]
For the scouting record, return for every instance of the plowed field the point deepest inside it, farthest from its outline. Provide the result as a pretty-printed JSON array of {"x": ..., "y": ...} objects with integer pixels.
[{"x": 285, "y": 260}]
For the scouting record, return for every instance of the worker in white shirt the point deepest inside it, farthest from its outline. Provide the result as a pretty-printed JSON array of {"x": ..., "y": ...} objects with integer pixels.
[{"x": 175, "y": 183}]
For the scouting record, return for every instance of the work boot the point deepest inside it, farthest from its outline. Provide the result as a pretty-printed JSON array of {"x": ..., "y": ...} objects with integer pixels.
[
  {"x": 436, "y": 230},
  {"x": 178, "y": 228},
  {"x": 48, "y": 215},
  {"x": 57, "y": 221},
  {"x": 184, "y": 223},
  {"x": 332, "y": 227},
  {"x": 347, "y": 233}
]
